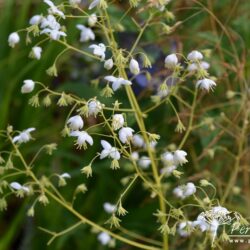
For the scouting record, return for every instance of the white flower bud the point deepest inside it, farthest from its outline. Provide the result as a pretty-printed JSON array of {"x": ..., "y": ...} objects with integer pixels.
[
  {"x": 74, "y": 2},
  {"x": 125, "y": 134},
  {"x": 35, "y": 20},
  {"x": 28, "y": 86},
  {"x": 134, "y": 67},
  {"x": 109, "y": 64},
  {"x": 144, "y": 162},
  {"x": 104, "y": 238},
  {"x": 109, "y": 208},
  {"x": 138, "y": 141},
  {"x": 171, "y": 61},
  {"x": 118, "y": 121},
  {"x": 36, "y": 52},
  {"x": 13, "y": 39},
  {"x": 195, "y": 56},
  {"x": 92, "y": 20},
  {"x": 75, "y": 122}
]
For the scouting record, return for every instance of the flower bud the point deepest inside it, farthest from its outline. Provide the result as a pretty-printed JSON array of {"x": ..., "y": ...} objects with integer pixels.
[
  {"x": 171, "y": 61},
  {"x": 134, "y": 67},
  {"x": 13, "y": 39},
  {"x": 28, "y": 86}
]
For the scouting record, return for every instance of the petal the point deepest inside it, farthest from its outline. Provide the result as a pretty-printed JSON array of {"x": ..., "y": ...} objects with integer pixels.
[
  {"x": 116, "y": 85},
  {"x": 106, "y": 145},
  {"x": 104, "y": 153},
  {"x": 110, "y": 78}
]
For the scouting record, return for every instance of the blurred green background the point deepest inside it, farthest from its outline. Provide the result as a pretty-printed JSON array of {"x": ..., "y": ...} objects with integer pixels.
[{"x": 19, "y": 232}]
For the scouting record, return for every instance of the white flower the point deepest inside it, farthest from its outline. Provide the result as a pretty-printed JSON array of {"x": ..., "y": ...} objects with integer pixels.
[
  {"x": 53, "y": 34},
  {"x": 94, "y": 4},
  {"x": 35, "y": 20},
  {"x": 109, "y": 208},
  {"x": 18, "y": 186},
  {"x": 117, "y": 82},
  {"x": 104, "y": 238},
  {"x": 86, "y": 33},
  {"x": 50, "y": 22},
  {"x": 75, "y": 122},
  {"x": 184, "y": 228},
  {"x": 117, "y": 121},
  {"x": 144, "y": 162},
  {"x": 13, "y": 39},
  {"x": 82, "y": 139},
  {"x": 180, "y": 157},
  {"x": 99, "y": 50},
  {"x": 24, "y": 136},
  {"x": 138, "y": 141},
  {"x": 134, "y": 67},
  {"x": 28, "y": 86},
  {"x": 168, "y": 170},
  {"x": 195, "y": 56},
  {"x": 94, "y": 107},
  {"x": 195, "y": 66},
  {"x": 109, "y": 151},
  {"x": 135, "y": 156},
  {"x": 74, "y": 2},
  {"x": 109, "y": 64},
  {"x": 206, "y": 84},
  {"x": 125, "y": 134},
  {"x": 168, "y": 158},
  {"x": 184, "y": 191},
  {"x": 92, "y": 20},
  {"x": 36, "y": 52},
  {"x": 65, "y": 175},
  {"x": 171, "y": 61},
  {"x": 53, "y": 9},
  {"x": 190, "y": 189}
]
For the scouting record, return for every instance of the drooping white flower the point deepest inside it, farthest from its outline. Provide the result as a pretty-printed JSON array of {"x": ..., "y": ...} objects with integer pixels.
[
  {"x": 28, "y": 86},
  {"x": 93, "y": 4},
  {"x": 53, "y": 34},
  {"x": 195, "y": 56},
  {"x": 99, "y": 50},
  {"x": 108, "y": 64},
  {"x": 82, "y": 139},
  {"x": 144, "y": 162},
  {"x": 206, "y": 84},
  {"x": 179, "y": 157},
  {"x": 109, "y": 151},
  {"x": 74, "y": 2},
  {"x": 86, "y": 33},
  {"x": 53, "y": 9},
  {"x": 171, "y": 61},
  {"x": 35, "y": 20},
  {"x": 94, "y": 107},
  {"x": 24, "y": 136},
  {"x": 184, "y": 191},
  {"x": 109, "y": 208},
  {"x": 138, "y": 141},
  {"x": 184, "y": 228},
  {"x": 134, "y": 67},
  {"x": 117, "y": 121},
  {"x": 75, "y": 122},
  {"x": 36, "y": 52},
  {"x": 125, "y": 134},
  {"x": 117, "y": 82},
  {"x": 13, "y": 39},
  {"x": 168, "y": 158},
  {"x": 92, "y": 20},
  {"x": 104, "y": 238},
  {"x": 18, "y": 186},
  {"x": 65, "y": 175}
]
